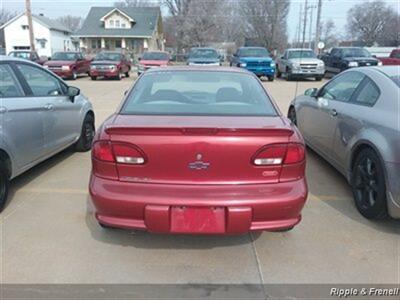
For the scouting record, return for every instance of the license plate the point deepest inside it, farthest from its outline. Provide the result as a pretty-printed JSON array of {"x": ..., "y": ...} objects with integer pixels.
[{"x": 198, "y": 220}]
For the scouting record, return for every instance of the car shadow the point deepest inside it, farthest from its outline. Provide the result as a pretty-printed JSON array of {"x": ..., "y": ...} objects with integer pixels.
[
  {"x": 342, "y": 201},
  {"x": 33, "y": 173},
  {"x": 146, "y": 240}
]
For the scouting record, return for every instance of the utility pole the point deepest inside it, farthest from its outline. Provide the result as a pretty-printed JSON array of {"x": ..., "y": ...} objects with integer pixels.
[
  {"x": 310, "y": 27},
  {"x": 299, "y": 32},
  {"x": 305, "y": 24},
  {"x": 318, "y": 26},
  {"x": 30, "y": 25}
]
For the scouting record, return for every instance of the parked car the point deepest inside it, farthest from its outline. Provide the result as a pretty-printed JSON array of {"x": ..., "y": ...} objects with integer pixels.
[
  {"x": 110, "y": 64},
  {"x": 343, "y": 58},
  {"x": 393, "y": 59},
  {"x": 199, "y": 151},
  {"x": 353, "y": 122},
  {"x": 256, "y": 60},
  {"x": 203, "y": 57},
  {"x": 40, "y": 116},
  {"x": 300, "y": 63},
  {"x": 29, "y": 55},
  {"x": 68, "y": 64},
  {"x": 153, "y": 59}
]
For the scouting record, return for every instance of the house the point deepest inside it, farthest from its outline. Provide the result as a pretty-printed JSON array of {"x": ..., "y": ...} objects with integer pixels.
[
  {"x": 50, "y": 36},
  {"x": 129, "y": 29}
]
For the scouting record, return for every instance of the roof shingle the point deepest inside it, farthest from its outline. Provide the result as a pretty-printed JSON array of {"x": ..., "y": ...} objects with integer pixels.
[{"x": 145, "y": 22}]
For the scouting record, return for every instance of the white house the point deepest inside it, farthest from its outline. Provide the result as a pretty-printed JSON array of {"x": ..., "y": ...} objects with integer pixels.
[{"x": 50, "y": 36}]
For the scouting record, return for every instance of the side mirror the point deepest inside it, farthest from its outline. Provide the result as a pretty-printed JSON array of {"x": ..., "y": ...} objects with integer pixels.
[
  {"x": 73, "y": 92},
  {"x": 311, "y": 92}
]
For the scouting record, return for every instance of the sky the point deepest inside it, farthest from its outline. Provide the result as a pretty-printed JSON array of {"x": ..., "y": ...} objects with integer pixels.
[{"x": 332, "y": 9}]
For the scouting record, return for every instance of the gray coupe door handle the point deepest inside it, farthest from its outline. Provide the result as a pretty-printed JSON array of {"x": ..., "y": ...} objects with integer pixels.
[
  {"x": 3, "y": 110},
  {"x": 49, "y": 107},
  {"x": 334, "y": 113}
]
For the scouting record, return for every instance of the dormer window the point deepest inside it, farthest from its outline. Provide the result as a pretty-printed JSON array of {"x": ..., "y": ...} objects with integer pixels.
[
  {"x": 117, "y": 23},
  {"x": 117, "y": 19},
  {"x": 111, "y": 23}
]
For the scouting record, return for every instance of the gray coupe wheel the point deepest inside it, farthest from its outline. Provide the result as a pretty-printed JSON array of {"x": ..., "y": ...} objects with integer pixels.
[
  {"x": 87, "y": 134},
  {"x": 292, "y": 115},
  {"x": 4, "y": 185},
  {"x": 368, "y": 185}
]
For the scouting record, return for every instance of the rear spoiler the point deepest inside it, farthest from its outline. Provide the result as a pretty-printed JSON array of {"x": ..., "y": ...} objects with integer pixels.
[{"x": 130, "y": 130}]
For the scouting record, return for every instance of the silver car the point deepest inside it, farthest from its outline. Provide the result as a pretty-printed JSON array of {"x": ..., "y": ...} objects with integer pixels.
[
  {"x": 353, "y": 121},
  {"x": 300, "y": 63},
  {"x": 40, "y": 115}
]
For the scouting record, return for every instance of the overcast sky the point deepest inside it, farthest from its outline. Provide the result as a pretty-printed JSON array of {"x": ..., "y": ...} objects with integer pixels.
[{"x": 332, "y": 9}]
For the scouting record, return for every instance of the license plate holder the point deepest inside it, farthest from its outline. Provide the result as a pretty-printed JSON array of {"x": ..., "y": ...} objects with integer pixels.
[{"x": 202, "y": 220}]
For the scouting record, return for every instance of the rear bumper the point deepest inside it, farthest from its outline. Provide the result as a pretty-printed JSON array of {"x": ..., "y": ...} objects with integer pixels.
[
  {"x": 393, "y": 189},
  {"x": 240, "y": 208}
]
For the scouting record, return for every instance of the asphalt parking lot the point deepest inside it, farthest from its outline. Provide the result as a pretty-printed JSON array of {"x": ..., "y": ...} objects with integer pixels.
[{"x": 49, "y": 234}]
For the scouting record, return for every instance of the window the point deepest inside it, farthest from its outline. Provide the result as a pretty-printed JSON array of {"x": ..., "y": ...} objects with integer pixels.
[
  {"x": 368, "y": 94},
  {"x": 123, "y": 25},
  {"x": 111, "y": 23},
  {"x": 117, "y": 23},
  {"x": 342, "y": 88},
  {"x": 198, "y": 93},
  {"x": 9, "y": 86},
  {"x": 25, "y": 27},
  {"x": 118, "y": 44},
  {"x": 41, "y": 82}
]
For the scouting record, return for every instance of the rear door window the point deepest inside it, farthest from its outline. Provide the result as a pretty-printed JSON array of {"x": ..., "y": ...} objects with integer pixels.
[{"x": 9, "y": 86}]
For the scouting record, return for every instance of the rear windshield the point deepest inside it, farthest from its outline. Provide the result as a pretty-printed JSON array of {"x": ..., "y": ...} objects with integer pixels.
[
  {"x": 155, "y": 56},
  {"x": 205, "y": 93},
  {"x": 355, "y": 52},
  {"x": 25, "y": 55},
  {"x": 396, "y": 79}
]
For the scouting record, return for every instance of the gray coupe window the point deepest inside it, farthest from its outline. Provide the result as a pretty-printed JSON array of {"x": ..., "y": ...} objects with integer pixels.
[
  {"x": 369, "y": 93},
  {"x": 342, "y": 87}
]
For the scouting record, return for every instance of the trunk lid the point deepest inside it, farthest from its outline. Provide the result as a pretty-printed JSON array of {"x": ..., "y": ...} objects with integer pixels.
[{"x": 201, "y": 150}]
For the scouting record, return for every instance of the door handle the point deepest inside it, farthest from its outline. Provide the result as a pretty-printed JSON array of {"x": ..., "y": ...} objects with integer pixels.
[
  {"x": 49, "y": 107},
  {"x": 3, "y": 110},
  {"x": 334, "y": 113}
]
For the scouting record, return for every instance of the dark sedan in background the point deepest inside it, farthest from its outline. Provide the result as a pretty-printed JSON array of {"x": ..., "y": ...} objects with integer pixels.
[{"x": 353, "y": 122}]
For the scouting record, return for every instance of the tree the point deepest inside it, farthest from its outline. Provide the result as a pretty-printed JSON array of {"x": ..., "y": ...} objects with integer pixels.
[
  {"x": 266, "y": 22},
  {"x": 369, "y": 21},
  {"x": 72, "y": 22},
  {"x": 6, "y": 15},
  {"x": 136, "y": 3},
  {"x": 328, "y": 34}
]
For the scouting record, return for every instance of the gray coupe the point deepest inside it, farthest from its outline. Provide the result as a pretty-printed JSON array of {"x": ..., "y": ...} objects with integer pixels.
[{"x": 353, "y": 121}]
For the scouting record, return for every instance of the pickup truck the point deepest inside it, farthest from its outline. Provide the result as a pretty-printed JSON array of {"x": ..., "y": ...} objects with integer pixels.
[
  {"x": 300, "y": 63},
  {"x": 110, "y": 64},
  {"x": 68, "y": 64},
  {"x": 256, "y": 60},
  {"x": 392, "y": 60},
  {"x": 343, "y": 58},
  {"x": 203, "y": 57}
]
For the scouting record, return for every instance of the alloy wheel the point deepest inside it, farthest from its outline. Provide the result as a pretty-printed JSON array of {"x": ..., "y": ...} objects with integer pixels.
[{"x": 366, "y": 183}]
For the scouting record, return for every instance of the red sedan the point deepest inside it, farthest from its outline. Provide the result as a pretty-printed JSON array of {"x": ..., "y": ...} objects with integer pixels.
[
  {"x": 153, "y": 59},
  {"x": 199, "y": 151}
]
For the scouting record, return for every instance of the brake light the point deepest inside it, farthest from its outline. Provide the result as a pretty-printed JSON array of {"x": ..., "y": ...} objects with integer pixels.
[
  {"x": 102, "y": 151},
  {"x": 279, "y": 154}
]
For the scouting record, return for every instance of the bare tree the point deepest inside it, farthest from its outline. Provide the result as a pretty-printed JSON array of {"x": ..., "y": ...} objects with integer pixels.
[
  {"x": 367, "y": 21},
  {"x": 72, "y": 22},
  {"x": 6, "y": 15},
  {"x": 136, "y": 3},
  {"x": 328, "y": 34},
  {"x": 265, "y": 22}
]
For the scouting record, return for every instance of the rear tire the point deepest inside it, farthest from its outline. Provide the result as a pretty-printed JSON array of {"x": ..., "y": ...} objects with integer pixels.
[
  {"x": 289, "y": 77},
  {"x": 74, "y": 76},
  {"x": 93, "y": 77},
  {"x": 271, "y": 78},
  {"x": 127, "y": 74},
  {"x": 368, "y": 185},
  {"x": 319, "y": 78},
  {"x": 119, "y": 76},
  {"x": 4, "y": 185},
  {"x": 87, "y": 134},
  {"x": 278, "y": 73}
]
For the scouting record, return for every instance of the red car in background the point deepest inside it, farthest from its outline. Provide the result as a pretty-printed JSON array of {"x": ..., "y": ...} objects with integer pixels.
[
  {"x": 392, "y": 60},
  {"x": 110, "y": 65},
  {"x": 199, "y": 152},
  {"x": 68, "y": 64},
  {"x": 153, "y": 59}
]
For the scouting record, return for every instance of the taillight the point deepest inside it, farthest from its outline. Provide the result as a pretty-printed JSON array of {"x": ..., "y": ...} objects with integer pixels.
[
  {"x": 118, "y": 152},
  {"x": 126, "y": 154},
  {"x": 280, "y": 154},
  {"x": 102, "y": 151}
]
